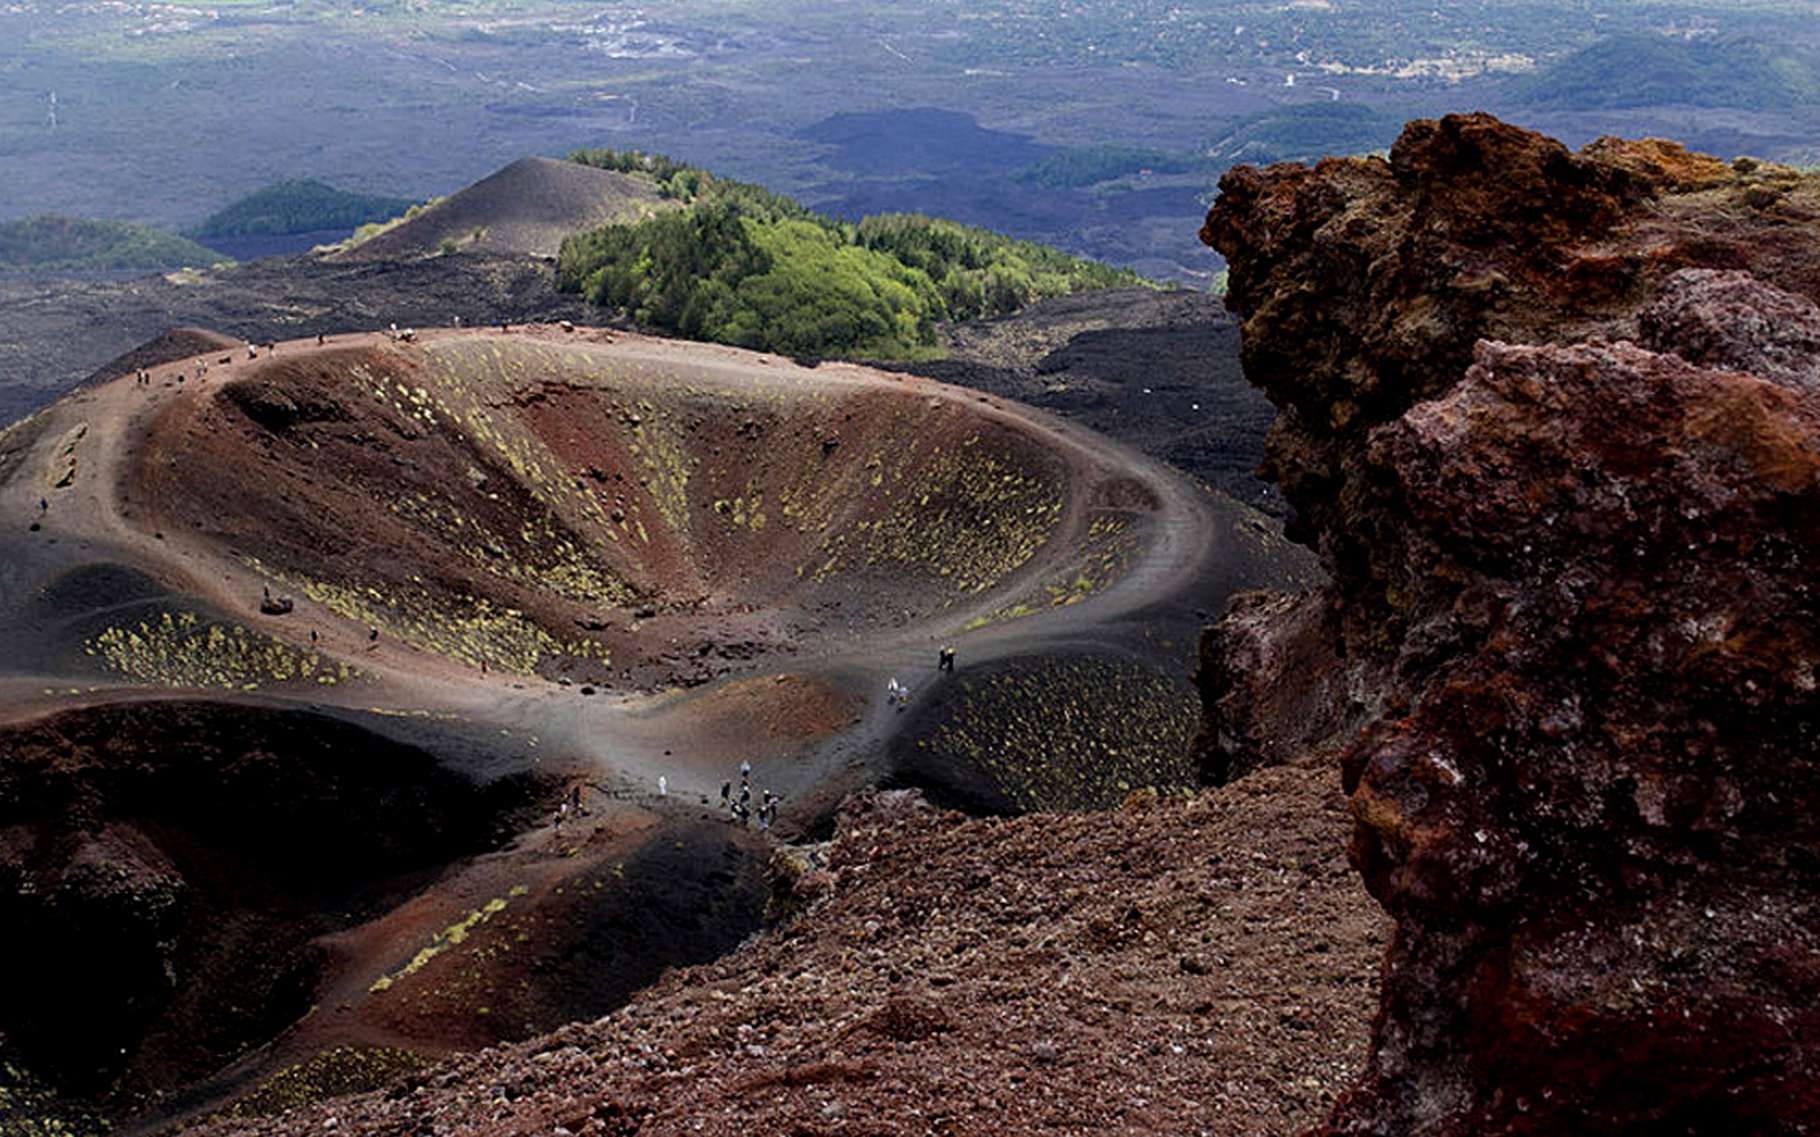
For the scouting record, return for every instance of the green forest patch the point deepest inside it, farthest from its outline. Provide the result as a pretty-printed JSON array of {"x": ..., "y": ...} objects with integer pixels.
[
  {"x": 301, "y": 205},
  {"x": 52, "y": 243},
  {"x": 744, "y": 266}
]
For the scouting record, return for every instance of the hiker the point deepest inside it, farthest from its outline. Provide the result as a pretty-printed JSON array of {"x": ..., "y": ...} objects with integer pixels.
[
  {"x": 575, "y": 796},
  {"x": 319, "y": 339},
  {"x": 251, "y": 351},
  {"x": 43, "y": 506},
  {"x": 945, "y": 660},
  {"x": 372, "y": 635},
  {"x": 663, "y": 786},
  {"x": 312, "y": 637},
  {"x": 726, "y": 794},
  {"x": 745, "y": 770}
]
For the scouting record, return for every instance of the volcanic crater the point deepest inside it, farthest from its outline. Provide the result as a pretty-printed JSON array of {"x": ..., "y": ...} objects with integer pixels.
[
  {"x": 566, "y": 565},
  {"x": 581, "y": 508}
]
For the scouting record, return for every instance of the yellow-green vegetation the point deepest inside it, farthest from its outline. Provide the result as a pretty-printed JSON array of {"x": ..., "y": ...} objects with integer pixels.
[
  {"x": 331, "y": 1074},
  {"x": 1103, "y": 556},
  {"x": 565, "y": 572},
  {"x": 965, "y": 514},
  {"x": 367, "y": 232},
  {"x": 29, "y": 1108},
  {"x": 665, "y": 462},
  {"x": 50, "y": 242},
  {"x": 452, "y": 936},
  {"x": 1043, "y": 736},
  {"x": 300, "y": 205},
  {"x": 468, "y": 629},
  {"x": 182, "y": 650}
]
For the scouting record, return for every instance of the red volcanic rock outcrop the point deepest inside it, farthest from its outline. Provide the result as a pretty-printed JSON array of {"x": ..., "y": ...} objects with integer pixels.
[{"x": 1553, "y": 421}]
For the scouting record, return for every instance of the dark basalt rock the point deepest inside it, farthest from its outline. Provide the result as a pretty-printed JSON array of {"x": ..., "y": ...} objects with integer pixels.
[{"x": 1552, "y": 420}]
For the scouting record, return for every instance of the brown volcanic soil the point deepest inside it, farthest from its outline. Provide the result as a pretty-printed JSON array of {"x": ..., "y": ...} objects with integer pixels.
[
  {"x": 1189, "y": 966},
  {"x": 527, "y": 208}
]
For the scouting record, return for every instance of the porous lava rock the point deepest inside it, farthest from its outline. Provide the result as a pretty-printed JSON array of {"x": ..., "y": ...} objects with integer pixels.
[
  {"x": 1550, "y": 419},
  {"x": 1270, "y": 684}
]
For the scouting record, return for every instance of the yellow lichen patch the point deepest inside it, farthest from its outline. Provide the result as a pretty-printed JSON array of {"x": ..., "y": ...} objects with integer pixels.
[
  {"x": 539, "y": 555},
  {"x": 664, "y": 462},
  {"x": 449, "y": 937},
  {"x": 1043, "y": 736},
  {"x": 331, "y": 1074},
  {"x": 970, "y": 517},
  {"x": 1104, "y": 556},
  {"x": 468, "y": 629},
  {"x": 180, "y": 650},
  {"x": 29, "y": 1107}
]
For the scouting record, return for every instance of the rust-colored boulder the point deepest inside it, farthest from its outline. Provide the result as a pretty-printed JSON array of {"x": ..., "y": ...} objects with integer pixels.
[
  {"x": 1552, "y": 420},
  {"x": 1270, "y": 685}
]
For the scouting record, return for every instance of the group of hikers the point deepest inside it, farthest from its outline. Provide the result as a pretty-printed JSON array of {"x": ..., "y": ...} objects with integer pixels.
[
  {"x": 571, "y": 804},
  {"x": 898, "y": 695},
  {"x": 142, "y": 376},
  {"x": 739, "y": 808},
  {"x": 739, "y": 804}
]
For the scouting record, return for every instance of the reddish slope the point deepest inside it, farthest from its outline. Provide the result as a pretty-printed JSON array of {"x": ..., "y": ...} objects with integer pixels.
[{"x": 1198, "y": 967}]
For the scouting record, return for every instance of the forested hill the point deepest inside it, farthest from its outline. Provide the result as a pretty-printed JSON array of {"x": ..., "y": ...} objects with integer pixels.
[
  {"x": 1645, "y": 69},
  {"x": 301, "y": 205},
  {"x": 51, "y": 243},
  {"x": 745, "y": 266}
]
